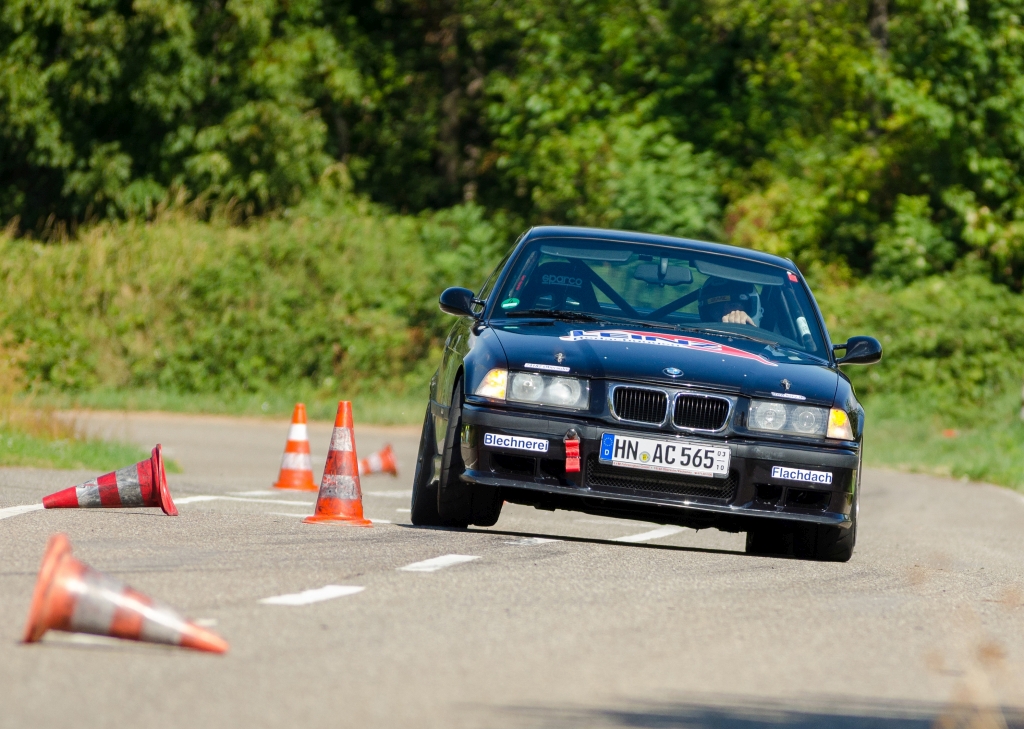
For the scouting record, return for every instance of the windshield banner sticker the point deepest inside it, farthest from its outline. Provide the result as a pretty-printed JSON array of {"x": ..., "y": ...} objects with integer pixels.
[{"x": 663, "y": 340}]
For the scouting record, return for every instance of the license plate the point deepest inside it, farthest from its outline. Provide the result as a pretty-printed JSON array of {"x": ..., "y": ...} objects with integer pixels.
[{"x": 673, "y": 456}]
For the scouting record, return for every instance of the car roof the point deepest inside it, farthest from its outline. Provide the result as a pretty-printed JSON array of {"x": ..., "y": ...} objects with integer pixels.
[{"x": 630, "y": 236}]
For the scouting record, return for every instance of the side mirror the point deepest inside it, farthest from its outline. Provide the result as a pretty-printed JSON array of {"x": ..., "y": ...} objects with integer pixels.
[
  {"x": 860, "y": 350},
  {"x": 457, "y": 301}
]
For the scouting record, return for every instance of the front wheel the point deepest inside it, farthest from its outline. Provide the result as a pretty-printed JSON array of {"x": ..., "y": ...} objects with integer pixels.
[
  {"x": 460, "y": 504},
  {"x": 424, "y": 487}
]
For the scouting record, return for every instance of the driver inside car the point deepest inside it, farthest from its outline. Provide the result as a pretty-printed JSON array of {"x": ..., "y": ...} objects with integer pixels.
[{"x": 731, "y": 302}]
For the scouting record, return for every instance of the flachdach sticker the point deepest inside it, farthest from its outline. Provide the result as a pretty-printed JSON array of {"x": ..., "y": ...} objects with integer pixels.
[
  {"x": 799, "y": 474},
  {"x": 664, "y": 340},
  {"x": 494, "y": 440},
  {"x": 546, "y": 367}
]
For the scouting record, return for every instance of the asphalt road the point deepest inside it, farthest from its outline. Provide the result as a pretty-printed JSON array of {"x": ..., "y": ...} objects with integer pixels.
[{"x": 554, "y": 623}]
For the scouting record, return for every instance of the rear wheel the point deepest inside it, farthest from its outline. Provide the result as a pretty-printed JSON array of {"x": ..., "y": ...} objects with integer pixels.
[
  {"x": 804, "y": 541},
  {"x": 767, "y": 540},
  {"x": 460, "y": 504},
  {"x": 424, "y": 487}
]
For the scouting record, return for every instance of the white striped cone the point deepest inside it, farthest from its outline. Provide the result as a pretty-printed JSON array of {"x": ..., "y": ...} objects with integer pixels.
[{"x": 296, "y": 465}]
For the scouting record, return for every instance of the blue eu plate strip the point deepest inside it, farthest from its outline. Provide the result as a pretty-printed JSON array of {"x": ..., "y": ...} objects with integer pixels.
[{"x": 607, "y": 444}]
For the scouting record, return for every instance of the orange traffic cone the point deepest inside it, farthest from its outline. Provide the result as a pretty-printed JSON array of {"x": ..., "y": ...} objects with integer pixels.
[
  {"x": 340, "y": 499},
  {"x": 296, "y": 466},
  {"x": 73, "y": 597},
  {"x": 383, "y": 461},
  {"x": 144, "y": 484}
]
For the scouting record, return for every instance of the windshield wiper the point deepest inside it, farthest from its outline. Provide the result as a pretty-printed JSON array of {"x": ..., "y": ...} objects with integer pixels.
[
  {"x": 559, "y": 314},
  {"x": 759, "y": 340}
]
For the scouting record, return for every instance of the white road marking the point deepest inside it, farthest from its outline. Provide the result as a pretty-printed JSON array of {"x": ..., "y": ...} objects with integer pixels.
[
  {"x": 437, "y": 563},
  {"x": 10, "y": 511},
  {"x": 665, "y": 531},
  {"x": 391, "y": 494},
  {"x": 310, "y": 596},
  {"x": 284, "y": 513},
  {"x": 194, "y": 500},
  {"x": 263, "y": 492},
  {"x": 531, "y": 541},
  {"x": 404, "y": 511},
  {"x": 58, "y": 636},
  {"x": 197, "y": 499}
]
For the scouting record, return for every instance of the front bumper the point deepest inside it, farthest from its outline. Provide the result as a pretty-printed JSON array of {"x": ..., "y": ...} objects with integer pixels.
[{"x": 750, "y": 494}]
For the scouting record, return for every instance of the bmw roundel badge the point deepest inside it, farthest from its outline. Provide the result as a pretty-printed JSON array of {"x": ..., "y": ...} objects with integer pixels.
[{"x": 673, "y": 371}]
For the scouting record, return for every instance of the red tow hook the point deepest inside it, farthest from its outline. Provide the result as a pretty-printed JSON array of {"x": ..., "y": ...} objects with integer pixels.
[{"x": 572, "y": 452}]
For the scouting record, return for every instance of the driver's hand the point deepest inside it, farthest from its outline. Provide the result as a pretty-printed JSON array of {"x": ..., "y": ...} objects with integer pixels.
[{"x": 738, "y": 317}]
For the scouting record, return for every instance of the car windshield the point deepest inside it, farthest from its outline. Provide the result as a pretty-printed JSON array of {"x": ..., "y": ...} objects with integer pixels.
[{"x": 662, "y": 286}]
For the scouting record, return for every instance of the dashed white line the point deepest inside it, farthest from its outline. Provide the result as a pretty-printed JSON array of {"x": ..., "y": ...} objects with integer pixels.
[
  {"x": 261, "y": 492},
  {"x": 308, "y": 597},
  {"x": 404, "y": 511},
  {"x": 437, "y": 563},
  {"x": 10, "y": 511},
  {"x": 391, "y": 494},
  {"x": 665, "y": 531},
  {"x": 531, "y": 541},
  {"x": 197, "y": 499}
]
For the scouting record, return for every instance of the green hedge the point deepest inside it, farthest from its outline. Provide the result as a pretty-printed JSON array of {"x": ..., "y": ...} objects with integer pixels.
[
  {"x": 332, "y": 293},
  {"x": 955, "y": 343}
]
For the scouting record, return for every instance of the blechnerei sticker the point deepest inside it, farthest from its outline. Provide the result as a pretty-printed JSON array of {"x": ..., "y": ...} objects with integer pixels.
[
  {"x": 800, "y": 474},
  {"x": 509, "y": 303},
  {"x": 545, "y": 367},
  {"x": 515, "y": 442},
  {"x": 663, "y": 339},
  {"x": 788, "y": 396}
]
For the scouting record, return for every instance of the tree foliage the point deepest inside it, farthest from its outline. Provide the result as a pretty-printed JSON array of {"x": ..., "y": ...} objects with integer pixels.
[{"x": 880, "y": 135}]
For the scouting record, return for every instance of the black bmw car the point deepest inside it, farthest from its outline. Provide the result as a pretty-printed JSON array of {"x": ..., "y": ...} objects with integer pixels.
[{"x": 646, "y": 377}]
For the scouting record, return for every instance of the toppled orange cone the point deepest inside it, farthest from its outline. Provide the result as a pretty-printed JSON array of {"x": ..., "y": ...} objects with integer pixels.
[
  {"x": 340, "y": 499},
  {"x": 296, "y": 466},
  {"x": 144, "y": 484},
  {"x": 75, "y": 598},
  {"x": 383, "y": 461}
]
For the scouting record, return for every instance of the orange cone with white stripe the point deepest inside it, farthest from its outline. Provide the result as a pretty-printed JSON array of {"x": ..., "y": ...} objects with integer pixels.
[
  {"x": 73, "y": 597},
  {"x": 340, "y": 499},
  {"x": 296, "y": 466},
  {"x": 383, "y": 461},
  {"x": 144, "y": 484}
]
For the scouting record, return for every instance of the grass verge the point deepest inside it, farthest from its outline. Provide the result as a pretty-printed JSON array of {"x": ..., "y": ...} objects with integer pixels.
[
  {"x": 18, "y": 448},
  {"x": 377, "y": 407},
  {"x": 983, "y": 445}
]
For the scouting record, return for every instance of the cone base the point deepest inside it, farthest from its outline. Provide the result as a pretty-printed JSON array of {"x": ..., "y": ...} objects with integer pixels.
[
  {"x": 296, "y": 486},
  {"x": 57, "y": 549},
  {"x": 160, "y": 483},
  {"x": 329, "y": 519}
]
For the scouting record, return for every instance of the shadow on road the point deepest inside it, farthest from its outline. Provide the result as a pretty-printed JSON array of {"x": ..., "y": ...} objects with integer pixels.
[
  {"x": 585, "y": 540},
  {"x": 744, "y": 714}
]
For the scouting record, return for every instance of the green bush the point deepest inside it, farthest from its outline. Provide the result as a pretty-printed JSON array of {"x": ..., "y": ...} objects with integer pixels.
[
  {"x": 332, "y": 293},
  {"x": 954, "y": 343}
]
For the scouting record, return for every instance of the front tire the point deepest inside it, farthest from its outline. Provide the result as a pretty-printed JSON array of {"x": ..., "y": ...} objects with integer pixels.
[
  {"x": 460, "y": 504},
  {"x": 424, "y": 488}
]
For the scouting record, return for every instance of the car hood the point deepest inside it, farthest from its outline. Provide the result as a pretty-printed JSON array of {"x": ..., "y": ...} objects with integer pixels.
[{"x": 632, "y": 353}]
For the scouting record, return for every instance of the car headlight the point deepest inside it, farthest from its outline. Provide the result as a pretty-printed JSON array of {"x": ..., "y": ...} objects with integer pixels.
[
  {"x": 839, "y": 425},
  {"x": 493, "y": 385},
  {"x": 563, "y": 392},
  {"x": 779, "y": 417}
]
